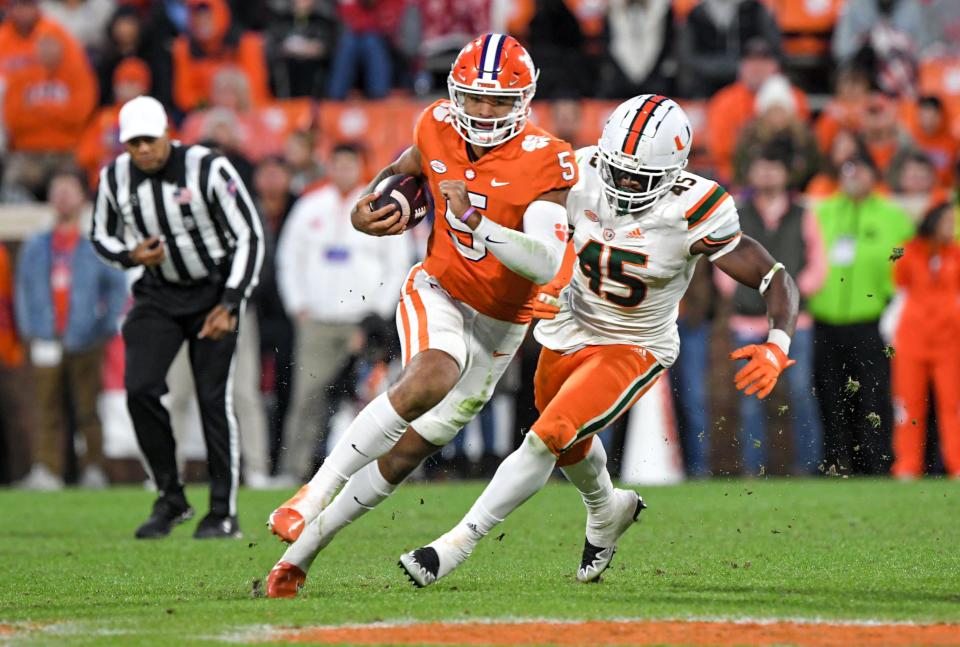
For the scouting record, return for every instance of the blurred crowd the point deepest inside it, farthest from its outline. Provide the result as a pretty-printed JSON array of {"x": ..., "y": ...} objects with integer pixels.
[{"x": 835, "y": 122}]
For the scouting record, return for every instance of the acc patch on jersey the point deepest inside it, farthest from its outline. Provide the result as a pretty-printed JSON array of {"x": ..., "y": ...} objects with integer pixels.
[{"x": 438, "y": 166}]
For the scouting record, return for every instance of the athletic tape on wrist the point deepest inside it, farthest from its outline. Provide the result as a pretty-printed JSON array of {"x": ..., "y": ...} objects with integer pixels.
[
  {"x": 466, "y": 214},
  {"x": 765, "y": 283},
  {"x": 781, "y": 339}
]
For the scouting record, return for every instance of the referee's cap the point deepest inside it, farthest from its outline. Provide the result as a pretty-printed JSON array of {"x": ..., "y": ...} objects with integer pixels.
[{"x": 142, "y": 117}]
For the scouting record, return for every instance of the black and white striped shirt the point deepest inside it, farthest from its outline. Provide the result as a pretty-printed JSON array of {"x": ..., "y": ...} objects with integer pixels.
[{"x": 199, "y": 208}]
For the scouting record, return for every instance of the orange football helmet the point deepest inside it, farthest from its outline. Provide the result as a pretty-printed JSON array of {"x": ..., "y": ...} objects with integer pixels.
[{"x": 492, "y": 65}]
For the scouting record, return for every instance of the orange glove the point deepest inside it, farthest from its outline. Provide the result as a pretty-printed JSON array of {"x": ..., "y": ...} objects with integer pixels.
[
  {"x": 760, "y": 374},
  {"x": 547, "y": 303}
]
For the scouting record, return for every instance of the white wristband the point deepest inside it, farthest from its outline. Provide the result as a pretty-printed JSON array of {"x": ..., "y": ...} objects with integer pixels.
[{"x": 781, "y": 339}]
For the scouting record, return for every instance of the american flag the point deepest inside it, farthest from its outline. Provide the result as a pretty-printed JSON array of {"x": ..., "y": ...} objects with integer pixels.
[{"x": 182, "y": 195}]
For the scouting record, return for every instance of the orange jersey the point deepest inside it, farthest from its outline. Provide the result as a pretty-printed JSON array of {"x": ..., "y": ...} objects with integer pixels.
[{"x": 502, "y": 184}]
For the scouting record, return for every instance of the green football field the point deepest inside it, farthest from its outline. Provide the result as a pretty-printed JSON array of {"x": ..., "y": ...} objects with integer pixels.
[{"x": 824, "y": 549}]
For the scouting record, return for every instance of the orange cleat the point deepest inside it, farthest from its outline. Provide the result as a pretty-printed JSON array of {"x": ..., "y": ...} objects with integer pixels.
[
  {"x": 285, "y": 580},
  {"x": 287, "y": 522}
]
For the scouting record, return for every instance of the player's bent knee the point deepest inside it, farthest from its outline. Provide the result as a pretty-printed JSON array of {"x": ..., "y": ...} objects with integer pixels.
[
  {"x": 404, "y": 457},
  {"x": 576, "y": 453},
  {"x": 425, "y": 382},
  {"x": 535, "y": 441}
]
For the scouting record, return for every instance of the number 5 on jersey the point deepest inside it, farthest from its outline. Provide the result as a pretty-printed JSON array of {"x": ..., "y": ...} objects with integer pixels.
[
  {"x": 601, "y": 263},
  {"x": 463, "y": 239}
]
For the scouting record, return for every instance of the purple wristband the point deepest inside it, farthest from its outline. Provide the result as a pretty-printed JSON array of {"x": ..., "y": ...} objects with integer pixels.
[{"x": 466, "y": 214}]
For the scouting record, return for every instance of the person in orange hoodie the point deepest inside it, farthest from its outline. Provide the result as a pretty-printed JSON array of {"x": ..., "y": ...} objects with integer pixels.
[
  {"x": 22, "y": 27},
  {"x": 927, "y": 344},
  {"x": 930, "y": 130},
  {"x": 45, "y": 107},
  {"x": 16, "y": 413},
  {"x": 733, "y": 107},
  {"x": 100, "y": 143},
  {"x": 212, "y": 44}
]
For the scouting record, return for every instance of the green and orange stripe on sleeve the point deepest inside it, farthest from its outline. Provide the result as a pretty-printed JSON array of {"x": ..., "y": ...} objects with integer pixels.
[
  {"x": 706, "y": 207},
  {"x": 720, "y": 241}
]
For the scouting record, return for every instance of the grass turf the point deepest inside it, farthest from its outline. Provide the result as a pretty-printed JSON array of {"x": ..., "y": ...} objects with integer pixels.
[{"x": 829, "y": 548}]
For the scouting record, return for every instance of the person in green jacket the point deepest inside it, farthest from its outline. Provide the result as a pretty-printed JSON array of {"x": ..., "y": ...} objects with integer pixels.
[{"x": 863, "y": 233}]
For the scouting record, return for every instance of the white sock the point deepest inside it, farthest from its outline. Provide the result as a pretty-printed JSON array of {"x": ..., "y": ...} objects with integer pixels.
[
  {"x": 591, "y": 478},
  {"x": 519, "y": 477},
  {"x": 371, "y": 435},
  {"x": 362, "y": 493}
]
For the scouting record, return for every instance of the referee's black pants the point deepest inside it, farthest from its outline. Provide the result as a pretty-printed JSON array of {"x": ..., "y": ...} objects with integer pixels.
[{"x": 162, "y": 318}]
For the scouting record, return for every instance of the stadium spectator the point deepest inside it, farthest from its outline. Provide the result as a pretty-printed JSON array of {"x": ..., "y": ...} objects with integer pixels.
[
  {"x": 445, "y": 25},
  {"x": 231, "y": 120},
  {"x": 886, "y": 140},
  {"x": 689, "y": 376},
  {"x": 274, "y": 199},
  {"x": 861, "y": 230},
  {"x": 554, "y": 40},
  {"x": 84, "y": 19},
  {"x": 566, "y": 120},
  {"x": 68, "y": 306},
  {"x": 845, "y": 109},
  {"x": 885, "y": 35},
  {"x": 777, "y": 124},
  {"x": 46, "y": 106},
  {"x": 732, "y": 108},
  {"x": 16, "y": 424},
  {"x": 927, "y": 343},
  {"x": 100, "y": 142},
  {"x": 126, "y": 37},
  {"x": 640, "y": 56},
  {"x": 298, "y": 154},
  {"x": 717, "y": 37},
  {"x": 845, "y": 144},
  {"x": 915, "y": 185},
  {"x": 770, "y": 215},
  {"x": 299, "y": 41},
  {"x": 23, "y": 26},
  {"x": 211, "y": 44},
  {"x": 365, "y": 30},
  {"x": 330, "y": 277},
  {"x": 930, "y": 130}
]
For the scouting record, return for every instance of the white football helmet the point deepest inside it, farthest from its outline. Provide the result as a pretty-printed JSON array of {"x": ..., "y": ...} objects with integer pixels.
[
  {"x": 644, "y": 146},
  {"x": 494, "y": 65}
]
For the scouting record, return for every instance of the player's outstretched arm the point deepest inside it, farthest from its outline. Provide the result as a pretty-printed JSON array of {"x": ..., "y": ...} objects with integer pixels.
[
  {"x": 383, "y": 221},
  {"x": 751, "y": 264},
  {"x": 534, "y": 253}
]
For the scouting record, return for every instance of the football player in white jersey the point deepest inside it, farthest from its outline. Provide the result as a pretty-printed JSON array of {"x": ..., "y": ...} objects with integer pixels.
[{"x": 640, "y": 224}]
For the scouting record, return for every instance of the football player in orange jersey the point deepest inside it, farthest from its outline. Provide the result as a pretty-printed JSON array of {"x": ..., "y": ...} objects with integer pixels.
[{"x": 500, "y": 185}]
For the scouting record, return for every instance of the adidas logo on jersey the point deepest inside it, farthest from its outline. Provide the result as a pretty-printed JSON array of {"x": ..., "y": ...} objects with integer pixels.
[{"x": 636, "y": 234}]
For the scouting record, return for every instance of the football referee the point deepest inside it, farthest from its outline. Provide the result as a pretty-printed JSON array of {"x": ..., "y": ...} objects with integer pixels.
[{"x": 182, "y": 213}]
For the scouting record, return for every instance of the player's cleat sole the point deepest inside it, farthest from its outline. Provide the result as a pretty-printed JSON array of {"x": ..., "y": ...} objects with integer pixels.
[
  {"x": 285, "y": 580},
  {"x": 596, "y": 559},
  {"x": 421, "y": 566},
  {"x": 287, "y": 524}
]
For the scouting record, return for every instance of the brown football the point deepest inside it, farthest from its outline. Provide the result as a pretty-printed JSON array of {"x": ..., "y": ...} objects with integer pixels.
[{"x": 408, "y": 193}]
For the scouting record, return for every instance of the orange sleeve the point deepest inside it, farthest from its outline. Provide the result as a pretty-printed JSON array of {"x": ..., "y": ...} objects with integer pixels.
[
  {"x": 901, "y": 269},
  {"x": 11, "y": 353},
  {"x": 184, "y": 93},
  {"x": 558, "y": 168},
  {"x": 254, "y": 64}
]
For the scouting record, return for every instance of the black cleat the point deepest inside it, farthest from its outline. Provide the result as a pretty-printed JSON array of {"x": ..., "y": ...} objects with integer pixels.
[
  {"x": 166, "y": 514},
  {"x": 217, "y": 527},
  {"x": 421, "y": 566}
]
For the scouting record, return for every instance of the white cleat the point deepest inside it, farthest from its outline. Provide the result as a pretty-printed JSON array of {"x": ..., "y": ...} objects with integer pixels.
[
  {"x": 597, "y": 556},
  {"x": 426, "y": 565}
]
